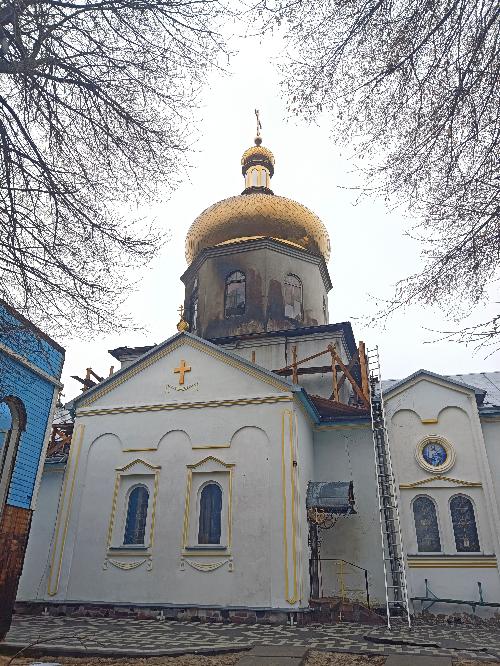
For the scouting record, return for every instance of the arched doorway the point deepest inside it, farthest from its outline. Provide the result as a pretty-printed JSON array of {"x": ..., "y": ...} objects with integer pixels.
[{"x": 12, "y": 424}]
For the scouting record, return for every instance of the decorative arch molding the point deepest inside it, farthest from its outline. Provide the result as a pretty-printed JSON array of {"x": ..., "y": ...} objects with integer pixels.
[
  {"x": 240, "y": 432},
  {"x": 199, "y": 475},
  {"x": 136, "y": 473},
  {"x": 440, "y": 477},
  {"x": 453, "y": 407},
  {"x": 183, "y": 438},
  {"x": 401, "y": 410},
  {"x": 114, "y": 437}
]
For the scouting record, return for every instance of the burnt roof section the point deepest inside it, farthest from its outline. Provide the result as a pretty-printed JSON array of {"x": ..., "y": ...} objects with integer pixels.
[
  {"x": 344, "y": 327},
  {"x": 330, "y": 408},
  {"x": 123, "y": 352},
  {"x": 31, "y": 326}
]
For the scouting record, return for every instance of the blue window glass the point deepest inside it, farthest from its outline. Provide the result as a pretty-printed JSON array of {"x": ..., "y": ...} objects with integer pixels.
[
  {"x": 434, "y": 453},
  {"x": 426, "y": 525},
  {"x": 209, "y": 530},
  {"x": 137, "y": 513},
  {"x": 464, "y": 524}
]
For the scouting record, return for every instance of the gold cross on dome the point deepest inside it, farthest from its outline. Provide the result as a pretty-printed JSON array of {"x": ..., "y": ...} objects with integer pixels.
[
  {"x": 259, "y": 124},
  {"x": 181, "y": 370}
]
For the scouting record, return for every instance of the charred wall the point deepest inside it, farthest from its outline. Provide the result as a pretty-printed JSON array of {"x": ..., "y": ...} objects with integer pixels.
[{"x": 265, "y": 264}]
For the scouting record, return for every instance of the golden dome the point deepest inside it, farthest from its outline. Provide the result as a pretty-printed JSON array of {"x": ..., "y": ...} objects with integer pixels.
[
  {"x": 258, "y": 152},
  {"x": 257, "y": 215}
]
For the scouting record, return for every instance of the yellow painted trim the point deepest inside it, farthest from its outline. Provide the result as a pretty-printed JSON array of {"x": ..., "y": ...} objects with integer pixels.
[
  {"x": 450, "y": 454},
  {"x": 187, "y": 506},
  {"x": 441, "y": 477},
  {"x": 283, "y": 481},
  {"x": 230, "y": 511},
  {"x": 206, "y": 553},
  {"x": 452, "y": 562},
  {"x": 118, "y": 476},
  {"x": 153, "y": 514},
  {"x": 135, "y": 462},
  {"x": 291, "y": 598},
  {"x": 212, "y": 446},
  {"x": 113, "y": 509},
  {"x": 172, "y": 347},
  {"x": 217, "y": 460},
  {"x": 295, "y": 597},
  {"x": 127, "y": 566},
  {"x": 118, "y": 552},
  {"x": 51, "y": 586},
  {"x": 428, "y": 421},
  {"x": 171, "y": 406},
  {"x": 137, "y": 450},
  {"x": 187, "y": 503},
  {"x": 207, "y": 566}
]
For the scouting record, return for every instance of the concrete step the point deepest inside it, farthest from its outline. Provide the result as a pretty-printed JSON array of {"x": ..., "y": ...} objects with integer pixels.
[
  {"x": 274, "y": 655},
  {"x": 416, "y": 660}
]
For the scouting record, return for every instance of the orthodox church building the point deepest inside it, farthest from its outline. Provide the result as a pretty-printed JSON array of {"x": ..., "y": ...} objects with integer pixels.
[{"x": 254, "y": 466}]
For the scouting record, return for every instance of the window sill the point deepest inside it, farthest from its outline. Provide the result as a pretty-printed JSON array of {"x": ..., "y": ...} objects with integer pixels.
[
  {"x": 124, "y": 550},
  {"x": 207, "y": 546},
  {"x": 202, "y": 551},
  {"x": 476, "y": 553}
]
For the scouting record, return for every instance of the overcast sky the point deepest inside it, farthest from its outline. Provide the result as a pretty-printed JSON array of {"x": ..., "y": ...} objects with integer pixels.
[{"x": 370, "y": 251}]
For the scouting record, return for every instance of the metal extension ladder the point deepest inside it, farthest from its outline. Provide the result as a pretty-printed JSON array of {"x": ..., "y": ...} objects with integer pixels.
[{"x": 396, "y": 590}]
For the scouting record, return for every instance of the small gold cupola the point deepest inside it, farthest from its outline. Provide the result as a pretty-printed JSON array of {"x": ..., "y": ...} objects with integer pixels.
[{"x": 257, "y": 165}]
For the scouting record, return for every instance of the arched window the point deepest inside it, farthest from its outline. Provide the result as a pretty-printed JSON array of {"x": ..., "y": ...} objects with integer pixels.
[
  {"x": 255, "y": 178},
  {"x": 293, "y": 297},
  {"x": 426, "y": 525},
  {"x": 235, "y": 294},
  {"x": 137, "y": 513},
  {"x": 209, "y": 529},
  {"x": 464, "y": 524},
  {"x": 194, "y": 307},
  {"x": 12, "y": 423},
  {"x": 263, "y": 177}
]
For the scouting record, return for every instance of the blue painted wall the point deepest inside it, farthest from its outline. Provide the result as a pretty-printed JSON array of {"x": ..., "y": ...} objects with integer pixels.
[{"x": 35, "y": 392}]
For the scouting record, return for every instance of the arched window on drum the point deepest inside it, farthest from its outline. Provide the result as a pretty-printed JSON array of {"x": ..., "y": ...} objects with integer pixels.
[
  {"x": 426, "y": 525},
  {"x": 137, "y": 514},
  {"x": 293, "y": 297},
  {"x": 209, "y": 524},
  {"x": 235, "y": 294},
  {"x": 194, "y": 307},
  {"x": 464, "y": 524}
]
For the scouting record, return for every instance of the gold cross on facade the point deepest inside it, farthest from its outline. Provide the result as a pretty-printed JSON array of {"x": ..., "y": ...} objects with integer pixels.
[{"x": 181, "y": 370}]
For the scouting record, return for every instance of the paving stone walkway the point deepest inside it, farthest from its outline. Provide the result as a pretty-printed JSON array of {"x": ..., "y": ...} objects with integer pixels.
[{"x": 62, "y": 635}]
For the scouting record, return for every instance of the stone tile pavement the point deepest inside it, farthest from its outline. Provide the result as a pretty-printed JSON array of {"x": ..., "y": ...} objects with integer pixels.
[{"x": 60, "y": 635}]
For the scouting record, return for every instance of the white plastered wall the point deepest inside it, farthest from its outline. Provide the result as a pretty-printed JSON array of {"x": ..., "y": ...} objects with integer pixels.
[
  {"x": 428, "y": 407},
  {"x": 245, "y": 427},
  {"x": 346, "y": 454}
]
